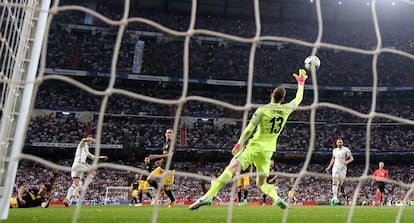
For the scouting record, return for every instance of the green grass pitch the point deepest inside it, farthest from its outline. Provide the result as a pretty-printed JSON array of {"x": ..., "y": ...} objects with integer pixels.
[{"x": 214, "y": 214}]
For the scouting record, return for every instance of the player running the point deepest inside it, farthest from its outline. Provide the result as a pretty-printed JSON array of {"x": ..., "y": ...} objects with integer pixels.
[{"x": 341, "y": 157}]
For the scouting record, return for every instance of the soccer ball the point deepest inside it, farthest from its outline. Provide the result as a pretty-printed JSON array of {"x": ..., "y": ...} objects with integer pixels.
[{"x": 312, "y": 60}]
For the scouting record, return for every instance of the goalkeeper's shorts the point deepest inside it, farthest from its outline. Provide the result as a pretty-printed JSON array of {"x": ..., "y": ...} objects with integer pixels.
[{"x": 252, "y": 155}]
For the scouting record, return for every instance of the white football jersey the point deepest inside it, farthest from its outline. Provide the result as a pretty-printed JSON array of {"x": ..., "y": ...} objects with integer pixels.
[
  {"x": 341, "y": 155},
  {"x": 82, "y": 152}
]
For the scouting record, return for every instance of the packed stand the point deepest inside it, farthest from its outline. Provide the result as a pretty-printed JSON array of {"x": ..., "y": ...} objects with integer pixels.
[
  {"x": 228, "y": 60},
  {"x": 310, "y": 188}
]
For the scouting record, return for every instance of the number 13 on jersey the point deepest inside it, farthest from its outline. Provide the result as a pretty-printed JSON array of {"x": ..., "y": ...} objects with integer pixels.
[{"x": 277, "y": 123}]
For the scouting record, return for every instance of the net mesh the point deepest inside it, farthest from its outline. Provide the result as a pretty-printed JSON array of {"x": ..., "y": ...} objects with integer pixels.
[{"x": 188, "y": 34}]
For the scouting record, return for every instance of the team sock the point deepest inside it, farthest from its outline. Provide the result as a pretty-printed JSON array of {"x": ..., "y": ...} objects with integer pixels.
[
  {"x": 335, "y": 191},
  {"x": 269, "y": 191},
  {"x": 140, "y": 197},
  {"x": 378, "y": 198},
  {"x": 170, "y": 195},
  {"x": 88, "y": 181},
  {"x": 222, "y": 180},
  {"x": 71, "y": 190}
]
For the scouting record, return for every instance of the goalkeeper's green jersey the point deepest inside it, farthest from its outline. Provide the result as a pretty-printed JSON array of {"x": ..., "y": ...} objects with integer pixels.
[{"x": 270, "y": 120}]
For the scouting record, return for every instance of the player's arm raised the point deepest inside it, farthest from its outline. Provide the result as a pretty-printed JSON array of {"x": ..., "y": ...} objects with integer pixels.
[{"x": 300, "y": 78}]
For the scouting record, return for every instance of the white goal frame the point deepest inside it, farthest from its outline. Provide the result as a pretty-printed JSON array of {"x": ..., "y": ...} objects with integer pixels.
[
  {"x": 18, "y": 99},
  {"x": 113, "y": 188}
]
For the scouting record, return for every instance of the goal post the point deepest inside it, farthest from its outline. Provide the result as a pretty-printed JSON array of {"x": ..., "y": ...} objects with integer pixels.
[
  {"x": 121, "y": 196},
  {"x": 23, "y": 25}
]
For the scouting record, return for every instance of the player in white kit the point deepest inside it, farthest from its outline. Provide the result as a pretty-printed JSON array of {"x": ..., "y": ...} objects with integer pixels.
[
  {"x": 341, "y": 157},
  {"x": 79, "y": 167}
]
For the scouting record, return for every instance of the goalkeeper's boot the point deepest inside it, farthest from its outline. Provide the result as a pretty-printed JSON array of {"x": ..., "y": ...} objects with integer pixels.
[
  {"x": 245, "y": 202},
  {"x": 201, "y": 202},
  {"x": 281, "y": 203}
]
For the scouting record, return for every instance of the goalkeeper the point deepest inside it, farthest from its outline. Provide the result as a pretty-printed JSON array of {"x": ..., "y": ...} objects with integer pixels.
[{"x": 270, "y": 120}]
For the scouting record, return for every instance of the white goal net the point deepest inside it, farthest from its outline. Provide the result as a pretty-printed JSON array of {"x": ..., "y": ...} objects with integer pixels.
[
  {"x": 99, "y": 57},
  {"x": 117, "y": 195},
  {"x": 22, "y": 26}
]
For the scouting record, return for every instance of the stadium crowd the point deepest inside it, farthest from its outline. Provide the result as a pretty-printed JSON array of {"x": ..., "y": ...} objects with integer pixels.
[
  {"x": 92, "y": 51},
  {"x": 310, "y": 188},
  {"x": 137, "y": 123},
  {"x": 60, "y": 96},
  {"x": 141, "y": 133}
]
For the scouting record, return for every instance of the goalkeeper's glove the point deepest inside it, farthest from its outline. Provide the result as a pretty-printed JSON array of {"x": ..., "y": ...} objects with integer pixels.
[
  {"x": 236, "y": 149},
  {"x": 301, "y": 78}
]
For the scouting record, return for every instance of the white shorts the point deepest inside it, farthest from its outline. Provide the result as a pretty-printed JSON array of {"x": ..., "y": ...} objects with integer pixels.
[
  {"x": 339, "y": 173},
  {"x": 78, "y": 169}
]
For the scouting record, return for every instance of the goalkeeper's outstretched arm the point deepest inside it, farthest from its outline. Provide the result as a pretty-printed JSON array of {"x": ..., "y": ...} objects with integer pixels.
[{"x": 301, "y": 78}]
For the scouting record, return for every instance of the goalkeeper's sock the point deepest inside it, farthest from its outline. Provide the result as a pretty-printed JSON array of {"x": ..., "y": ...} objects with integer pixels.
[
  {"x": 239, "y": 196},
  {"x": 264, "y": 198},
  {"x": 149, "y": 195},
  {"x": 154, "y": 184},
  {"x": 246, "y": 192},
  {"x": 269, "y": 191},
  {"x": 222, "y": 180},
  {"x": 170, "y": 195}
]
